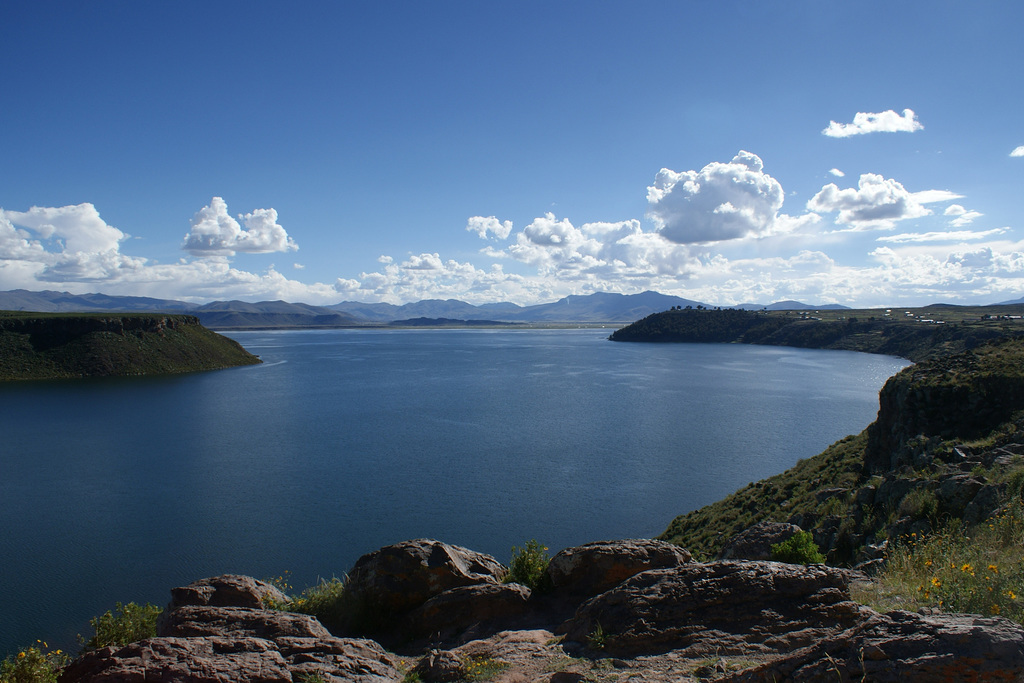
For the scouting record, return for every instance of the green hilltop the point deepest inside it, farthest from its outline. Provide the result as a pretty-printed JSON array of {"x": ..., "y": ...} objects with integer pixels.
[{"x": 65, "y": 345}]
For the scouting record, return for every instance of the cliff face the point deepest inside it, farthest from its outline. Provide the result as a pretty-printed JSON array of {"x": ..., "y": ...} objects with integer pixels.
[
  {"x": 962, "y": 396},
  {"x": 36, "y": 346}
]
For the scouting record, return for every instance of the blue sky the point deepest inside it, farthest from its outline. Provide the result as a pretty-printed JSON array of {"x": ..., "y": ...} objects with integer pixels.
[{"x": 868, "y": 153}]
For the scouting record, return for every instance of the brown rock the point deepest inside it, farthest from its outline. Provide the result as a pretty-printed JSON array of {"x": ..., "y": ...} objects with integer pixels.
[
  {"x": 226, "y": 590},
  {"x": 242, "y": 660},
  {"x": 724, "y": 607},
  {"x": 904, "y": 646},
  {"x": 755, "y": 543},
  {"x": 400, "y": 577},
  {"x": 470, "y": 612},
  {"x": 239, "y": 622},
  {"x": 197, "y": 660},
  {"x": 338, "y": 659},
  {"x": 591, "y": 569}
]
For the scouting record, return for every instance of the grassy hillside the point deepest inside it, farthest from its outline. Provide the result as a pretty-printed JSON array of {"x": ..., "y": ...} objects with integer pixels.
[{"x": 63, "y": 345}]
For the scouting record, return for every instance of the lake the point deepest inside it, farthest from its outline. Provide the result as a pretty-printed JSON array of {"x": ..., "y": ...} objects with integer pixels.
[{"x": 347, "y": 440}]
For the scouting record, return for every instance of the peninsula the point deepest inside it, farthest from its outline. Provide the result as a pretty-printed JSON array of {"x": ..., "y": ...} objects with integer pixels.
[{"x": 66, "y": 345}]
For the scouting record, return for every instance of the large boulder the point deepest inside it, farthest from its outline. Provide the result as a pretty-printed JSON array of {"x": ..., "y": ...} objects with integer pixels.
[
  {"x": 905, "y": 646},
  {"x": 234, "y": 660},
  {"x": 226, "y": 590},
  {"x": 755, "y": 543},
  {"x": 593, "y": 568},
  {"x": 470, "y": 612},
  {"x": 401, "y": 577},
  {"x": 724, "y": 607},
  {"x": 239, "y": 622}
]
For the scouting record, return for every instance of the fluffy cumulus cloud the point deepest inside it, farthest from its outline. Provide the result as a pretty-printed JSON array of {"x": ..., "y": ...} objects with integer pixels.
[
  {"x": 837, "y": 173},
  {"x": 876, "y": 202},
  {"x": 884, "y": 122},
  {"x": 722, "y": 201},
  {"x": 64, "y": 244},
  {"x": 73, "y": 248},
  {"x": 215, "y": 232},
  {"x": 489, "y": 226},
  {"x": 1018, "y": 152}
]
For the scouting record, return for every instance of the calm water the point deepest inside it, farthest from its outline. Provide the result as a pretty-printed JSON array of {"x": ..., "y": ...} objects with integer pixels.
[{"x": 344, "y": 441}]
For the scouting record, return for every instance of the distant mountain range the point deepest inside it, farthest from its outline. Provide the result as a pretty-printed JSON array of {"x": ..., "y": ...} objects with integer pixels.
[{"x": 592, "y": 308}]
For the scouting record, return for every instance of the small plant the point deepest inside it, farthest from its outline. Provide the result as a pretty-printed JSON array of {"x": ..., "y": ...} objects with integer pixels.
[
  {"x": 131, "y": 623},
  {"x": 799, "y": 548},
  {"x": 35, "y": 664},
  {"x": 597, "y": 639},
  {"x": 312, "y": 677},
  {"x": 483, "y": 668},
  {"x": 528, "y": 565},
  {"x": 328, "y": 601},
  {"x": 919, "y": 504}
]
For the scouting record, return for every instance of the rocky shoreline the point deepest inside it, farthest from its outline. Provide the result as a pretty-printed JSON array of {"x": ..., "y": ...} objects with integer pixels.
[{"x": 620, "y": 610}]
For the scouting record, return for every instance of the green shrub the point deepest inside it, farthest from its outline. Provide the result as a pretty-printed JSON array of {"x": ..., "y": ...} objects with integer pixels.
[
  {"x": 528, "y": 565},
  {"x": 327, "y": 601},
  {"x": 132, "y": 623},
  {"x": 919, "y": 504},
  {"x": 800, "y": 548},
  {"x": 35, "y": 664}
]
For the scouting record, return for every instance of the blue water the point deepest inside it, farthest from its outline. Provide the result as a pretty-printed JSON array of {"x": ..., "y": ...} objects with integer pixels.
[{"x": 347, "y": 440}]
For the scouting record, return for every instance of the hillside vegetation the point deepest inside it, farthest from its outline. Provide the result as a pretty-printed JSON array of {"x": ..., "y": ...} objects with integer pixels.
[
  {"x": 65, "y": 345},
  {"x": 915, "y": 334}
]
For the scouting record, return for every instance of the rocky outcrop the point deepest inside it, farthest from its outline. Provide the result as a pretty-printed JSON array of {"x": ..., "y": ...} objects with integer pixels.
[
  {"x": 719, "y": 607},
  {"x": 904, "y": 646},
  {"x": 246, "y": 622},
  {"x": 227, "y": 659},
  {"x": 784, "y": 622},
  {"x": 387, "y": 584},
  {"x": 755, "y": 543},
  {"x": 205, "y": 636},
  {"x": 226, "y": 590},
  {"x": 593, "y": 568}
]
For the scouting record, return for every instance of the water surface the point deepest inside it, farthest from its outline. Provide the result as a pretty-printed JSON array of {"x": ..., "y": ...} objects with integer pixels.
[{"x": 347, "y": 440}]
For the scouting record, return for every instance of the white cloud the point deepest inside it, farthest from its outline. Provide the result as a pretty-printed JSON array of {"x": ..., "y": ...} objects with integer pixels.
[
  {"x": 962, "y": 216},
  {"x": 837, "y": 173},
  {"x": 482, "y": 226},
  {"x": 73, "y": 248},
  {"x": 953, "y": 236},
  {"x": 1018, "y": 152},
  {"x": 722, "y": 201},
  {"x": 884, "y": 122},
  {"x": 86, "y": 249},
  {"x": 78, "y": 228},
  {"x": 215, "y": 232},
  {"x": 18, "y": 244},
  {"x": 876, "y": 203},
  {"x": 932, "y": 196}
]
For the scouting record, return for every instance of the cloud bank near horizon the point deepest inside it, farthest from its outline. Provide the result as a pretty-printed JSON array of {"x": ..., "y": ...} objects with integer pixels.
[{"x": 716, "y": 234}]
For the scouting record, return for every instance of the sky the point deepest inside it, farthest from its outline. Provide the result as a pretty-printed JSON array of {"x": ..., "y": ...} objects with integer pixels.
[{"x": 861, "y": 153}]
